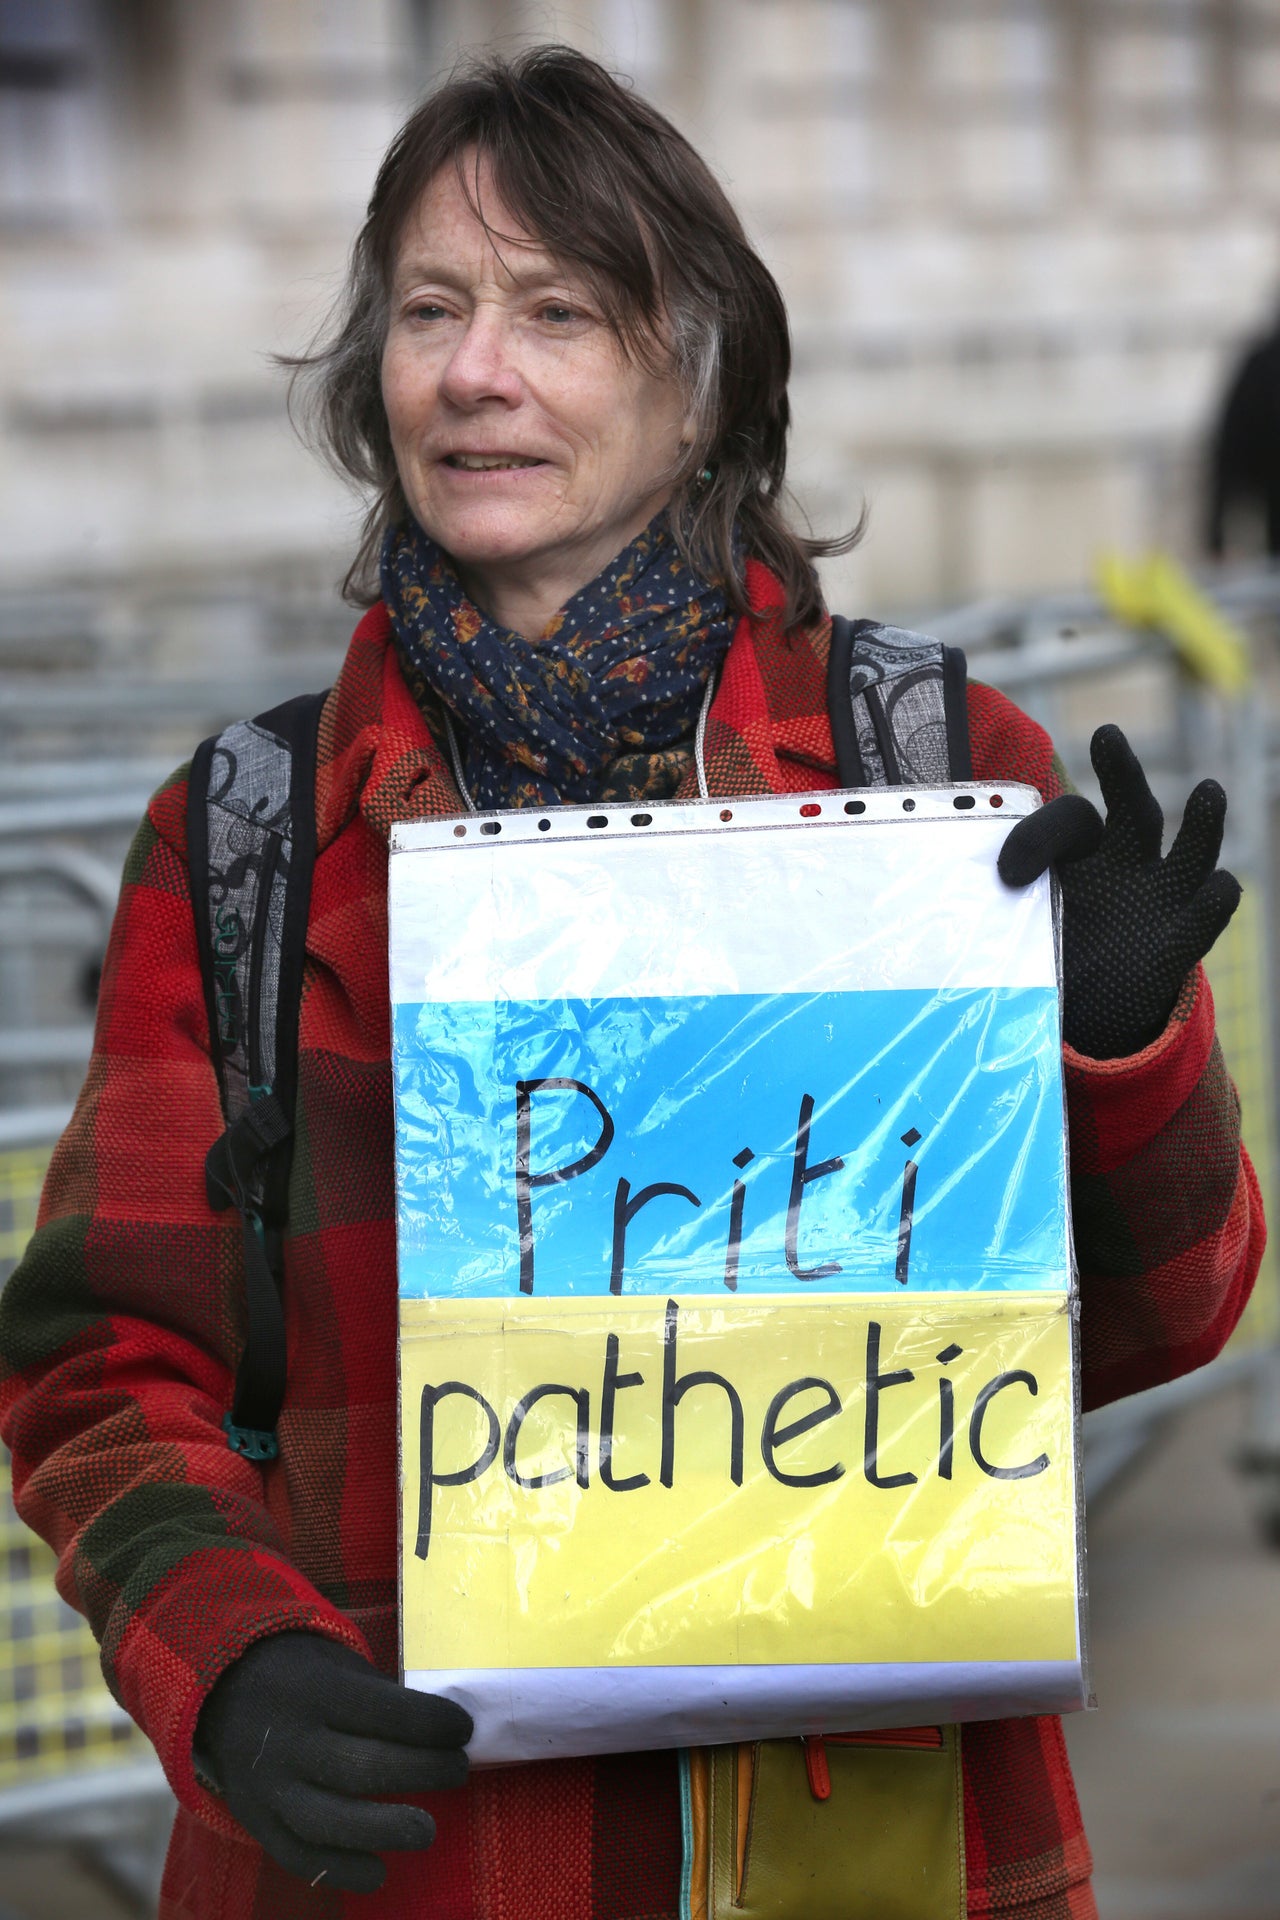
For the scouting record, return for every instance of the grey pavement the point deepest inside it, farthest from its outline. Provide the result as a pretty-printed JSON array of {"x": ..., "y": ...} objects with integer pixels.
[
  {"x": 51, "y": 1884},
  {"x": 1178, "y": 1770}
]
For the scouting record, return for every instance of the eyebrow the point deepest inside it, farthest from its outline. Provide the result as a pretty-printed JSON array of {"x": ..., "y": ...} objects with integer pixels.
[{"x": 547, "y": 272}]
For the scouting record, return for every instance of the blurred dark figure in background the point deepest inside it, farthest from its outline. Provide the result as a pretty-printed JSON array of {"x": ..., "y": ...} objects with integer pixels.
[{"x": 1245, "y": 469}]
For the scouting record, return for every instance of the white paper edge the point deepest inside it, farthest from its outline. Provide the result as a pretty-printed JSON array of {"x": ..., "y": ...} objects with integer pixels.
[{"x": 557, "y": 1713}]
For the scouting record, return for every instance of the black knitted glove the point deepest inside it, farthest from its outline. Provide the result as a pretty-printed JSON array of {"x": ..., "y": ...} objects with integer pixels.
[
  {"x": 301, "y": 1731},
  {"x": 1133, "y": 925}
]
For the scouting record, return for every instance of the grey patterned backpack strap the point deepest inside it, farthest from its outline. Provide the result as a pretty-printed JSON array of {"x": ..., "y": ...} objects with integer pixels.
[
  {"x": 897, "y": 706},
  {"x": 251, "y": 834}
]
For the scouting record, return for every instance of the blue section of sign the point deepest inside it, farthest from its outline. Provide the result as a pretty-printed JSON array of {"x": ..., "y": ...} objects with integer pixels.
[{"x": 855, "y": 1142}]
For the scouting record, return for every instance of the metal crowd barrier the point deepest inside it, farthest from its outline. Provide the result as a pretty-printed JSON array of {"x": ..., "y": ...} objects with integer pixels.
[
  {"x": 75, "y": 1772},
  {"x": 1073, "y": 661}
]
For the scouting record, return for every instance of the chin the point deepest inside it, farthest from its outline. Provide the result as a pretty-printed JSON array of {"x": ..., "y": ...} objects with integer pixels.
[{"x": 487, "y": 539}]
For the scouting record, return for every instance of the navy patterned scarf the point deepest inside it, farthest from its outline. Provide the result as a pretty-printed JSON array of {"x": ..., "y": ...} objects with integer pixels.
[{"x": 601, "y": 707}]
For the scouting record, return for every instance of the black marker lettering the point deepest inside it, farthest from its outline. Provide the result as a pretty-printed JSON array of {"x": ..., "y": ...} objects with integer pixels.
[
  {"x": 946, "y": 1428},
  {"x": 428, "y": 1478},
  {"x": 736, "y": 1203},
  {"x": 1030, "y": 1468},
  {"x": 902, "y": 1265},
  {"x": 878, "y": 1383},
  {"x": 946, "y": 1413},
  {"x": 673, "y": 1392},
  {"x": 625, "y": 1210},
  {"x": 773, "y": 1436},
  {"x": 615, "y": 1383},
  {"x": 526, "y": 1181},
  {"x": 801, "y": 1174},
  {"x": 581, "y": 1449}
]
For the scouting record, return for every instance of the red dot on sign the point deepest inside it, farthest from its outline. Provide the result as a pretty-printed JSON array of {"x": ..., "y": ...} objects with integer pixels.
[
  {"x": 811, "y": 809},
  {"x": 458, "y": 832},
  {"x": 997, "y": 800},
  {"x": 726, "y": 813}
]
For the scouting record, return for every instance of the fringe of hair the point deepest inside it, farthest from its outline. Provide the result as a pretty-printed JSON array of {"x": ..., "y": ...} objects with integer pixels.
[{"x": 655, "y": 236}]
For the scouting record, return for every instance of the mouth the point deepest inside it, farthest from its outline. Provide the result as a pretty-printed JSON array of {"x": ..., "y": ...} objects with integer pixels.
[{"x": 490, "y": 462}]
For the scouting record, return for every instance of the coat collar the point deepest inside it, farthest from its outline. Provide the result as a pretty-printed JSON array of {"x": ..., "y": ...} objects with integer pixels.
[{"x": 767, "y": 731}]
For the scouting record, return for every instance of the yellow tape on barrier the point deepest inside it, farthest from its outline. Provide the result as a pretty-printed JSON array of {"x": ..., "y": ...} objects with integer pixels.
[
  {"x": 56, "y": 1714},
  {"x": 1156, "y": 592},
  {"x": 1237, "y": 973},
  {"x": 21, "y": 1178}
]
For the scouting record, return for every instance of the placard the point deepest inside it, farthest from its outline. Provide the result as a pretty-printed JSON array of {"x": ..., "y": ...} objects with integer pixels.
[{"x": 737, "y": 1321}]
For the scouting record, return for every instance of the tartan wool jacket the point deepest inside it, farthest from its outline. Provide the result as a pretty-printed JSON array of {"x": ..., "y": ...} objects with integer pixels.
[{"x": 120, "y": 1332}]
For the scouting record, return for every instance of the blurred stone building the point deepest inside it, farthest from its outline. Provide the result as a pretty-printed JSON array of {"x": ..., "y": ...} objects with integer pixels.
[{"x": 1020, "y": 240}]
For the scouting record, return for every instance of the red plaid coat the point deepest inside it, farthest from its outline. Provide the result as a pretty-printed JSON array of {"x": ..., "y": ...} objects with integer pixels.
[{"x": 120, "y": 1331}]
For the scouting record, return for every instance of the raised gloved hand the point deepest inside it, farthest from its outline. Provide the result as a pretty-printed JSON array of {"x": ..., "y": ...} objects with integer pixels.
[
  {"x": 1133, "y": 925},
  {"x": 296, "y": 1736}
]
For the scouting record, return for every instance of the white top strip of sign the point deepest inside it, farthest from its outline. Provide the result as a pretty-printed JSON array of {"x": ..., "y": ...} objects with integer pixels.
[{"x": 753, "y": 897}]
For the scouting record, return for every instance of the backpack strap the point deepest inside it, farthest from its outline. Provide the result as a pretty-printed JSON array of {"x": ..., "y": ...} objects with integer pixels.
[
  {"x": 897, "y": 706},
  {"x": 251, "y": 835}
]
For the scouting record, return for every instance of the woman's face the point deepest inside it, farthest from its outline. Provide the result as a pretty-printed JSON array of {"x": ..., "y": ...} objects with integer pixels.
[{"x": 528, "y": 443}]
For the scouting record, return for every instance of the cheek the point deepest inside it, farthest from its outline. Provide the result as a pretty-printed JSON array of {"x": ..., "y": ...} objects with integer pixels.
[
  {"x": 407, "y": 396},
  {"x": 586, "y": 409},
  {"x": 649, "y": 432},
  {"x": 631, "y": 425},
  {"x": 612, "y": 409}
]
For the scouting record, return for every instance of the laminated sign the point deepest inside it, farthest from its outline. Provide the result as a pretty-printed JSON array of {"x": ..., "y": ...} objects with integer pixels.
[{"x": 737, "y": 1313}]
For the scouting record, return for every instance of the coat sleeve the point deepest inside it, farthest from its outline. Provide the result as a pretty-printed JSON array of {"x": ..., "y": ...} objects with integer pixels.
[
  {"x": 119, "y": 1335},
  {"x": 1169, "y": 1232}
]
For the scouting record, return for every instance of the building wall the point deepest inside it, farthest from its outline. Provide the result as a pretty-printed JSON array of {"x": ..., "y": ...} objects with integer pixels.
[{"x": 1020, "y": 240}]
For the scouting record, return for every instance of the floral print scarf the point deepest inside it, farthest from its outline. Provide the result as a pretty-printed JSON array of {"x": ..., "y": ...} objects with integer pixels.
[{"x": 602, "y": 706}]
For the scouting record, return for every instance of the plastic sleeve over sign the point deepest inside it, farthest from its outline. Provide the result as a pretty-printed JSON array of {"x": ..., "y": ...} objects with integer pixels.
[
  {"x": 736, "y": 1317},
  {"x": 735, "y": 1142}
]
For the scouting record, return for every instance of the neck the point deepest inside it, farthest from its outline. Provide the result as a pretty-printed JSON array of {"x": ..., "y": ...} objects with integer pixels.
[{"x": 522, "y": 606}]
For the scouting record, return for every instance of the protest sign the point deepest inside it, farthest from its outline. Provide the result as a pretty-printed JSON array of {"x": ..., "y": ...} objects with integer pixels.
[{"x": 737, "y": 1323}]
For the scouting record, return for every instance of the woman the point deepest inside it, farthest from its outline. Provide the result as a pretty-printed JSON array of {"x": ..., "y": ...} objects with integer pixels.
[{"x": 563, "y": 372}]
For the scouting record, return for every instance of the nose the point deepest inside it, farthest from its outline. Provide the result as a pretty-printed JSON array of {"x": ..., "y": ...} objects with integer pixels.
[{"x": 482, "y": 365}]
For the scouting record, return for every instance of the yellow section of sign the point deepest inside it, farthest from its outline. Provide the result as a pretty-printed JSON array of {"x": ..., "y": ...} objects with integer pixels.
[{"x": 647, "y": 1482}]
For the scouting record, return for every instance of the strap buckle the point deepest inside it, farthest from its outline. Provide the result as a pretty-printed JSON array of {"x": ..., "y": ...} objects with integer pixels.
[
  {"x": 233, "y": 1165},
  {"x": 253, "y": 1442}
]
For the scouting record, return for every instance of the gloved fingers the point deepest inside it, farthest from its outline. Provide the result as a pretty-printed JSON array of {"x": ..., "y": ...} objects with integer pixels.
[
  {"x": 320, "y": 1867},
  {"x": 338, "y": 1821},
  {"x": 1067, "y": 828},
  {"x": 1197, "y": 925},
  {"x": 1194, "y": 854},
  {"x": 373, "y": 1707},
  {"x": 1134, "y": 820},
  {"x": 353, "y": 1765}
]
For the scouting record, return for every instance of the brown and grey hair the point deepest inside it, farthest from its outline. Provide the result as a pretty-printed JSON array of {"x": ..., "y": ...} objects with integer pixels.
[{"x": 609, "y": 186}]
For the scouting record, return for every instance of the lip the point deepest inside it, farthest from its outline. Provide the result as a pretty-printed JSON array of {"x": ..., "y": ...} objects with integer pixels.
[{"x": 528, "y": 462}]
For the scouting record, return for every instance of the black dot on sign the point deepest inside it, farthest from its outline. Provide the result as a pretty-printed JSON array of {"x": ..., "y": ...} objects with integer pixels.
[
  {"x": 949, "y": 1354},
  {"x": 910, "y": 1137},
  {"x": 744, "y": 1158}
]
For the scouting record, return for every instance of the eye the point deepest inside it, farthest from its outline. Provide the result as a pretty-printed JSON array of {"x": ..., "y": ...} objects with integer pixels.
[
  {"x": 559, "y": 315},
  {"x": 426, "y": 310}
]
